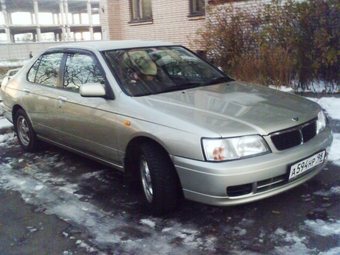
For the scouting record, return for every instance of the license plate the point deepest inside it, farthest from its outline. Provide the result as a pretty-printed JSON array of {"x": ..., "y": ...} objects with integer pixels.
[{"x": 306, "y": 164}]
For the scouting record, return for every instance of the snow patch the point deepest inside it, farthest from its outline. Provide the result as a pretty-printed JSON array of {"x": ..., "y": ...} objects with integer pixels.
[
  {"x": 332, "y": 191},
  {"x": 296, "y": 244},
  {"x": 334, "y": 154},
  {"x": 324, "y": 228},
  {"x": 148, "y": 222},
  {"x": 282, "y": 88},
  {"x": 334, "y": 251},
  {"x": 39, "y": 187},
  {"x": 4, "y": 123},
  {"x": 6, "y": 138},
  {"x": 240, "y": 231},
  {"x": 330, "y": 104},
  {"x": 91, "y": 175}
]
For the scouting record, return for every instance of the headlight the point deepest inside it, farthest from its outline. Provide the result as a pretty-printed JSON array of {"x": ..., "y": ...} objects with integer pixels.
[
  {"x": 234, "y": 148},
  {"x": 321, "y": 122}
]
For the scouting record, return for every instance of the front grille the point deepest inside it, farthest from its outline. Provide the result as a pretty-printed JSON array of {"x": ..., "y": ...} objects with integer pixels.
[
  {"x": 289, "y": 138},
  {"x": 309, "y": 132}
]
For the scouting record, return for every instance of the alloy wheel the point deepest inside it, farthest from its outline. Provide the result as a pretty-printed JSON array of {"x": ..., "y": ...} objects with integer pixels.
[
  {"x": 146, "y": 179},
  {"x": 23, "y": 131}
]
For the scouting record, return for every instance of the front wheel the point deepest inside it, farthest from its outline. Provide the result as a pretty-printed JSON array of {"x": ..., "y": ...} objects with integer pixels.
[
  {"x": 159, "y": 181},
  {"x": 26, "y": 135}
]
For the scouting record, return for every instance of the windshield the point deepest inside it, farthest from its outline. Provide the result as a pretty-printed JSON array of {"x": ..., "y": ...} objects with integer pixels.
[{"x": 154, "y": 70}]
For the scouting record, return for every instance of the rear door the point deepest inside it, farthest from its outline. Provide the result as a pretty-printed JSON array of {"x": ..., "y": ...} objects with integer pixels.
[{"x": 40, "y": 94}]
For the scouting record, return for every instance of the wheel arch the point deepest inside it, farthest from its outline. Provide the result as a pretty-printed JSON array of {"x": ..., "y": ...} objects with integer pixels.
[
  {"x": 15, "y": 109},
  {"x": 131, "y": 153},
  {"x": 25, "y": 132},
  {"x": 132, "y": 149}
]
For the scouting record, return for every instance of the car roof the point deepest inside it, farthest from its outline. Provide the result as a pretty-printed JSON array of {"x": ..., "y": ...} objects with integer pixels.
[{"x": 111, "y": 45}]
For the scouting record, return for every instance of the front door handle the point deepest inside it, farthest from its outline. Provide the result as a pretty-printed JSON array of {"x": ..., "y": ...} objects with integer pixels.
[{"x": 62, "y": 100}]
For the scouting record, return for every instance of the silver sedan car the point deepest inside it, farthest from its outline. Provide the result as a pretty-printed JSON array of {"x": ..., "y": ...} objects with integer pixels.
[
  {"x": 169, "y": 120},
  {"x": 9, "y": 75}
]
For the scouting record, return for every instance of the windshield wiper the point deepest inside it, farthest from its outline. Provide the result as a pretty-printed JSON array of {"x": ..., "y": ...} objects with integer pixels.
[
  {"x": 218, "y": 80},
  {"x": 182, "y": 86},
  {"x": 190, "y": 85}
]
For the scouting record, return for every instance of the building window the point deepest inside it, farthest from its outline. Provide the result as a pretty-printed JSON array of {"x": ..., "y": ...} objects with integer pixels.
[
  {"x": 197, "y": 7},
  {"x": 141, "y": 10}
]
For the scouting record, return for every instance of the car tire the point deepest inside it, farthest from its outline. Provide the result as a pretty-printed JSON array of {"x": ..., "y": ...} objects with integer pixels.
[
  {"x": 158, "y": 179},
  {"x": 25, "y": 132}
]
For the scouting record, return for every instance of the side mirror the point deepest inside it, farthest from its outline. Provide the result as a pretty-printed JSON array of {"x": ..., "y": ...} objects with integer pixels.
[{"x": 92, "y": 90}]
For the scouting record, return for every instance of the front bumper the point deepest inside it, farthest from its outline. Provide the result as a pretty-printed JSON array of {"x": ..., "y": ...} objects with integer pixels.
[{"x": 248, "y": 180}]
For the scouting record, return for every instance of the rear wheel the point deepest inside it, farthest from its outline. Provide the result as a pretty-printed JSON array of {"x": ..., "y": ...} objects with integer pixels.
[
  {"x": 26, "y": 135},
  {"x": 158, "y": 177}
]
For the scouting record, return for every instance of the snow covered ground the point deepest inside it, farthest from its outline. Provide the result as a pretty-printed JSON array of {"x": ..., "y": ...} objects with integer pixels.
[
  {"x": 40, "y": 180},
  {"x": 332, "y": 106}
]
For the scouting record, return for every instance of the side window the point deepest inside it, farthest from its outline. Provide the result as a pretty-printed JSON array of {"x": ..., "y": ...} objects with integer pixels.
[
  {"x": 46, "y": 69},
  {"x": 196, "y": 7},
  {"x": 80, "y": 69},
  {"x": 141, "y": 10}
]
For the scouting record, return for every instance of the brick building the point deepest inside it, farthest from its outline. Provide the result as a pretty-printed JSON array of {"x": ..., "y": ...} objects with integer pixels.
[{"x": 174, "y": 21}]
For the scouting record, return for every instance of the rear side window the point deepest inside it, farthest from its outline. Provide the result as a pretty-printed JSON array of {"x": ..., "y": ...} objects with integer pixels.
[
  {"x": 80, "y": 69},
  {"x": 46, "y": 69}
]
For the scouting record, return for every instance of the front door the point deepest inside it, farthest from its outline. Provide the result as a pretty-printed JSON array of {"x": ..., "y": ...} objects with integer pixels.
[{"x": 86, "y": 123}]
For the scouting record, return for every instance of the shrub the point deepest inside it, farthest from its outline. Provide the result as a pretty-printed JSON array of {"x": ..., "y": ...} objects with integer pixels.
[
  {"x": 318, "y": 43},
  {"x": 275, "y": 43}
]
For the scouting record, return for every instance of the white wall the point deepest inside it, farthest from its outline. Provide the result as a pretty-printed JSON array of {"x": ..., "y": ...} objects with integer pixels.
[{"x": 20, "y": 51}]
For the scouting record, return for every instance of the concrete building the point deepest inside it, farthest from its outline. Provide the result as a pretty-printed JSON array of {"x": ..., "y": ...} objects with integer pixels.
[
  {"x": 62, "y": 12},
  {"x": 175, "y": 21}
]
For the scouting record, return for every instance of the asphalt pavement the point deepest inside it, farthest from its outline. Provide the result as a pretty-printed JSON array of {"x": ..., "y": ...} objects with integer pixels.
[{"x": 26, "y": 230}]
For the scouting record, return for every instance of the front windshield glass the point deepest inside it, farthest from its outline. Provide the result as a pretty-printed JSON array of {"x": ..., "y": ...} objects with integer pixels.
[{"x": 154, "y": 70}]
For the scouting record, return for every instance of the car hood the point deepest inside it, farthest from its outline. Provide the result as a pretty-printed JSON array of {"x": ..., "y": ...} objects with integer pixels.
[{"x": 231, "y": 109}]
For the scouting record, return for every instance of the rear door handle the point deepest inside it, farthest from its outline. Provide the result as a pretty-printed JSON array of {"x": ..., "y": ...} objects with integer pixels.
[{"x": 27, "y": 91}]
